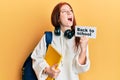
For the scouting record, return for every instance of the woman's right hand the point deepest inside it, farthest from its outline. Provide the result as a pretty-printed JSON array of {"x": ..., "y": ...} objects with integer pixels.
[{"x": 52, "y": 71}]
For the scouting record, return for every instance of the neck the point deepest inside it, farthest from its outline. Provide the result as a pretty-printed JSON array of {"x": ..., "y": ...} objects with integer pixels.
[{"x": 64, "y": 28}]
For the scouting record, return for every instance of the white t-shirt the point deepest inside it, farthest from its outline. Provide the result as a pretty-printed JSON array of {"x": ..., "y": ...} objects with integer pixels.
[{"x": 69, "y": 66}]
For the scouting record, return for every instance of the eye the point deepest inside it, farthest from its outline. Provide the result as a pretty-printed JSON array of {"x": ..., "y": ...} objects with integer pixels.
[
  {"x": 67, "y": 11},
  {"x": 64, "y": 11},
  {"x": 71, "y": 10}
]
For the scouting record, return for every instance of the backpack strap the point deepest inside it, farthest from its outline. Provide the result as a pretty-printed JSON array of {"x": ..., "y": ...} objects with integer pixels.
[{"x": 48, "y": 38}]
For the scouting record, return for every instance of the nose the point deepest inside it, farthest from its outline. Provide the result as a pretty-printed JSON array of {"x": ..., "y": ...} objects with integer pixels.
[{"x": 69, "y": 12}]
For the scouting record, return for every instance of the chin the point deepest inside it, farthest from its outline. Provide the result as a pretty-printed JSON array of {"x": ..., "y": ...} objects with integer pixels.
[{"x": 70, "y": 25}]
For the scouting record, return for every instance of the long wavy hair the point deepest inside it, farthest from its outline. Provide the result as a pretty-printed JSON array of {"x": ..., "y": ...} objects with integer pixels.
[{"x": 55, "y": 17}]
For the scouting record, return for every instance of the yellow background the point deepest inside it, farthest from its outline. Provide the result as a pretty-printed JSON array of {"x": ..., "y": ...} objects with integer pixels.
[{"x": 23, "y": 22}]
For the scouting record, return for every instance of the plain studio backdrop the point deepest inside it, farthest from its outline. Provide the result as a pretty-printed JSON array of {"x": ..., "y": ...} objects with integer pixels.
[{"x": 23, "y": 22}]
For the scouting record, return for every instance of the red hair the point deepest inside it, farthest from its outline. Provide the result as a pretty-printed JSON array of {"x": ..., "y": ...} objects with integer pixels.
[{"x": 55, "y": 17}]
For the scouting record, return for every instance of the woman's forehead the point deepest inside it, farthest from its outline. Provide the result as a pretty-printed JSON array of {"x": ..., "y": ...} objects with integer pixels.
[{"x": 64, "y": 7}]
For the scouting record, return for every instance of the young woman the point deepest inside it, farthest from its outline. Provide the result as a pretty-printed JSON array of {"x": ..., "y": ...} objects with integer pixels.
[{"x": 73, "y": 49}]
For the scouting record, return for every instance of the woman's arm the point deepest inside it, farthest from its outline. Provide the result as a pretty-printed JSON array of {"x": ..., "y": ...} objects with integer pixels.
[
  {"x": 39, "y": 62},
  {"x": 83, "y": 46},
  {"x": 81, "y": 61}
]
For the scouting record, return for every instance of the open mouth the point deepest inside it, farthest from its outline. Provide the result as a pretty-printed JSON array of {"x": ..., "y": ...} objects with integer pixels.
[{"x": 69, "y": 19}]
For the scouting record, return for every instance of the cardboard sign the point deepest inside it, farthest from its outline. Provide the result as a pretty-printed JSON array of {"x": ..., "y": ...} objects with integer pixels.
[{"x": 90, "y": 32}]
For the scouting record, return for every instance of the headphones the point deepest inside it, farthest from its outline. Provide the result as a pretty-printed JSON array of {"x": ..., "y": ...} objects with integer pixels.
[{"x": 67, "y": 34}]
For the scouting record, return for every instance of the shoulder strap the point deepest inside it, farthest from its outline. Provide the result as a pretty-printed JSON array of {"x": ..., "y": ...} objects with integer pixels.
[{"x": 48, "y": 38}]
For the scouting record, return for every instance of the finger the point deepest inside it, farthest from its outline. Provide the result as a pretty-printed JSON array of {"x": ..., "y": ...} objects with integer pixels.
[
  {"x": 55, "y": 66},
  {"x": 84, "y": 38},
  {"x": 57, "y": 71},
  {"x": 56, "y": 74}
]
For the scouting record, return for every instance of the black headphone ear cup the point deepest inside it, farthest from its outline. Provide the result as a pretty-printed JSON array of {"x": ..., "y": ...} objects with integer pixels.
[
  {"x": 57, "y": 31},
  {"x": 69, "y": 34}
]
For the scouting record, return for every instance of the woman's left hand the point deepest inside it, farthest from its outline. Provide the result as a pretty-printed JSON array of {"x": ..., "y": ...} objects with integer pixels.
[{"x": 83, "y": 43}]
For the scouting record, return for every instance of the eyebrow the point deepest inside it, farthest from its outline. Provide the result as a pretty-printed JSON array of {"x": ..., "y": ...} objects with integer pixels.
[{"x": 65, "y": 9}]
